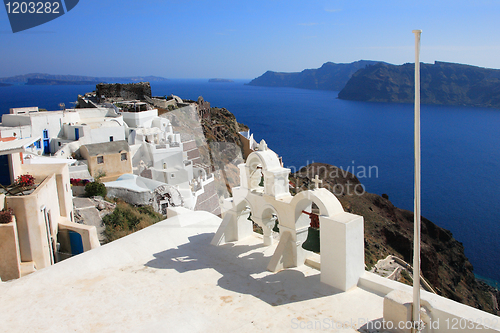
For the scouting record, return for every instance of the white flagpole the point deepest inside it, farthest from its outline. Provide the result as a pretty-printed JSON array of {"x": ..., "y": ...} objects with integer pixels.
[{"x": 416, "y": 236}]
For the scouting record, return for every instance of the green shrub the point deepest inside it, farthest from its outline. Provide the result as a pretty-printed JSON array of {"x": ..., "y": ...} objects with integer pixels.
[
  {"x": 95, "y": 189},
  {"x": 126, "y": 219}
]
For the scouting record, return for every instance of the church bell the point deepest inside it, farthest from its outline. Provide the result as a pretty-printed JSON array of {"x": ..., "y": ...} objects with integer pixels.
[
  {"x": 312, "y": 241},
  {"x": 276, "y": 228}
]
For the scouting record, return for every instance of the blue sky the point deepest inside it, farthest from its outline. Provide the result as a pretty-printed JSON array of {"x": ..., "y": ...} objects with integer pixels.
[{"x": 243, "y": 39}]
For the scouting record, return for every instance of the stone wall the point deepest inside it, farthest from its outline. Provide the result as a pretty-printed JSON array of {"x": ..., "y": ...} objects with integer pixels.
[
  {"x": 203, "y": 108},
  {"x": 124, "y": 92},
  {"x": 209, "y": 201},
  {"x": 159, "y": 102}
]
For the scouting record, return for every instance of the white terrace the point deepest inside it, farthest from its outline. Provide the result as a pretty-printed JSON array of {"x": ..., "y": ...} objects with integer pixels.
[{"x": 170, "y": 278}]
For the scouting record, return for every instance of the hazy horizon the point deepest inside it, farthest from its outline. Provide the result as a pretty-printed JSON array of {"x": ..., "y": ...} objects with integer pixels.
[{"x": 185, "y": 78}]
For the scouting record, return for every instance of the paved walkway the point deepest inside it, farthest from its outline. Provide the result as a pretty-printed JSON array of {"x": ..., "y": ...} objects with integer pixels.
[{"x": 85, "y": 211}]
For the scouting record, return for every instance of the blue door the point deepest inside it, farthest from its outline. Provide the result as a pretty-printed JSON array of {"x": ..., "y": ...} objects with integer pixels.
[
  {"x": 4, "y": 170},
  {"x": 77, "y": 133},
  {"x": 46, "y": 142},
  {"x": 76, "y": 242}
]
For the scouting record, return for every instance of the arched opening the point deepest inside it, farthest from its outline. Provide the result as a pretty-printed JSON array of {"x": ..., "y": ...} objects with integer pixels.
[
  {"x": 309, "y": 206},
  {"x": 270, "y": 221},
  {"x": 245, "y": 212},
  {"x": 256, "y": 178},
  {"x": 326, "y": 203}
]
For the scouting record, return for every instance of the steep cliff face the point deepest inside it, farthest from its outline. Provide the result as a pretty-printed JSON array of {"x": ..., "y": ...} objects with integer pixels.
[
  {"x": 330, "y": 76},
  {"x": 222, "y": 126},
  {"x": 441, "y": 83},
  {"x": 221, "y": 129},
  {"x": 389, "y": 230}
]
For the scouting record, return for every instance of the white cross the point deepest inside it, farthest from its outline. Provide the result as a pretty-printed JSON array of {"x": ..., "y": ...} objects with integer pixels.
[
  {"x": 262, "y": 145},
  {"x": 317, "y": 181}
]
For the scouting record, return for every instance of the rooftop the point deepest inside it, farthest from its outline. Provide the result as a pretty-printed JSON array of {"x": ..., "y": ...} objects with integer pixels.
[
  {"x": 169, "y": 278},
  {"x": 104, "y": 148},
  {"x": 16, "y": 146},
  {"x": 135, "y": 183}
]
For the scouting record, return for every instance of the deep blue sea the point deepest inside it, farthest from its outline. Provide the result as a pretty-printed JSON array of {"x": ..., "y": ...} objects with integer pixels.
[{"x": 460, "y": 147}]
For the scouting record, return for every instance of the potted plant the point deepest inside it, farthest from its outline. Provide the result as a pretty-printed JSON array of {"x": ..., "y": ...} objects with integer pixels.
[
  {"x": 6, "y": 215},
  {"x": 25, "y": 180}
]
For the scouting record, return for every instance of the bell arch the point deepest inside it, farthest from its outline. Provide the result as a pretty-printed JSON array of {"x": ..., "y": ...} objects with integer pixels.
[
  {"x": 268, "y": 217},
  {"x": 263, "y": 172},
  {"x": 267, "y": 158},
  {"x": 236, "y": 223},
  {"x": 243, "y": 205},
  {"x": 341, "y": 233},
  {"x": 256, "y": 166},
  {"x": 289, "y": 252},
  {"x": 269, "y": 211},
  {"x": 326, "y": 201}
]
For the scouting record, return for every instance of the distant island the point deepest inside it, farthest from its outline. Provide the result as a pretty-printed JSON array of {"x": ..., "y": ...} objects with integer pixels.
[
  {"x": 5, "y": 84},
  {"x": 330, "y": 76},
  {"x": 46, "y": 82},
  {"x": 23, "y": 79},
  {"x": 441, "y": 83},
  {"x": 220, "y": 80}
]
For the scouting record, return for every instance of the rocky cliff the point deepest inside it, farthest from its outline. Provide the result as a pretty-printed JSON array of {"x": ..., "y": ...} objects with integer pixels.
[
  {"x": 441, "y": 83},
  {"x": 330, "y": 76},
  {"x": 221, "y": 132}
]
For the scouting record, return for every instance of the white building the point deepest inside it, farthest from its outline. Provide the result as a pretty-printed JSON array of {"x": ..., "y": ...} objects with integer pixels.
[
  {"x": 136, "y": 116},
  {"x": 43, "y": 215},
  {"x": 158, "y": 155},
  {"x": 157, "y": 151},
  {"x": 62, "y": 132}
]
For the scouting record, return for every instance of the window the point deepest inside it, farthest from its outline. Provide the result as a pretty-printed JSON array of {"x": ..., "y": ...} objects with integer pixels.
[
  {"x": 100, "y": 159},
  {"x": 111, "y": 139},
  {"x": 59, "y": 143},
  {"x": 124, "y": 157}
]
